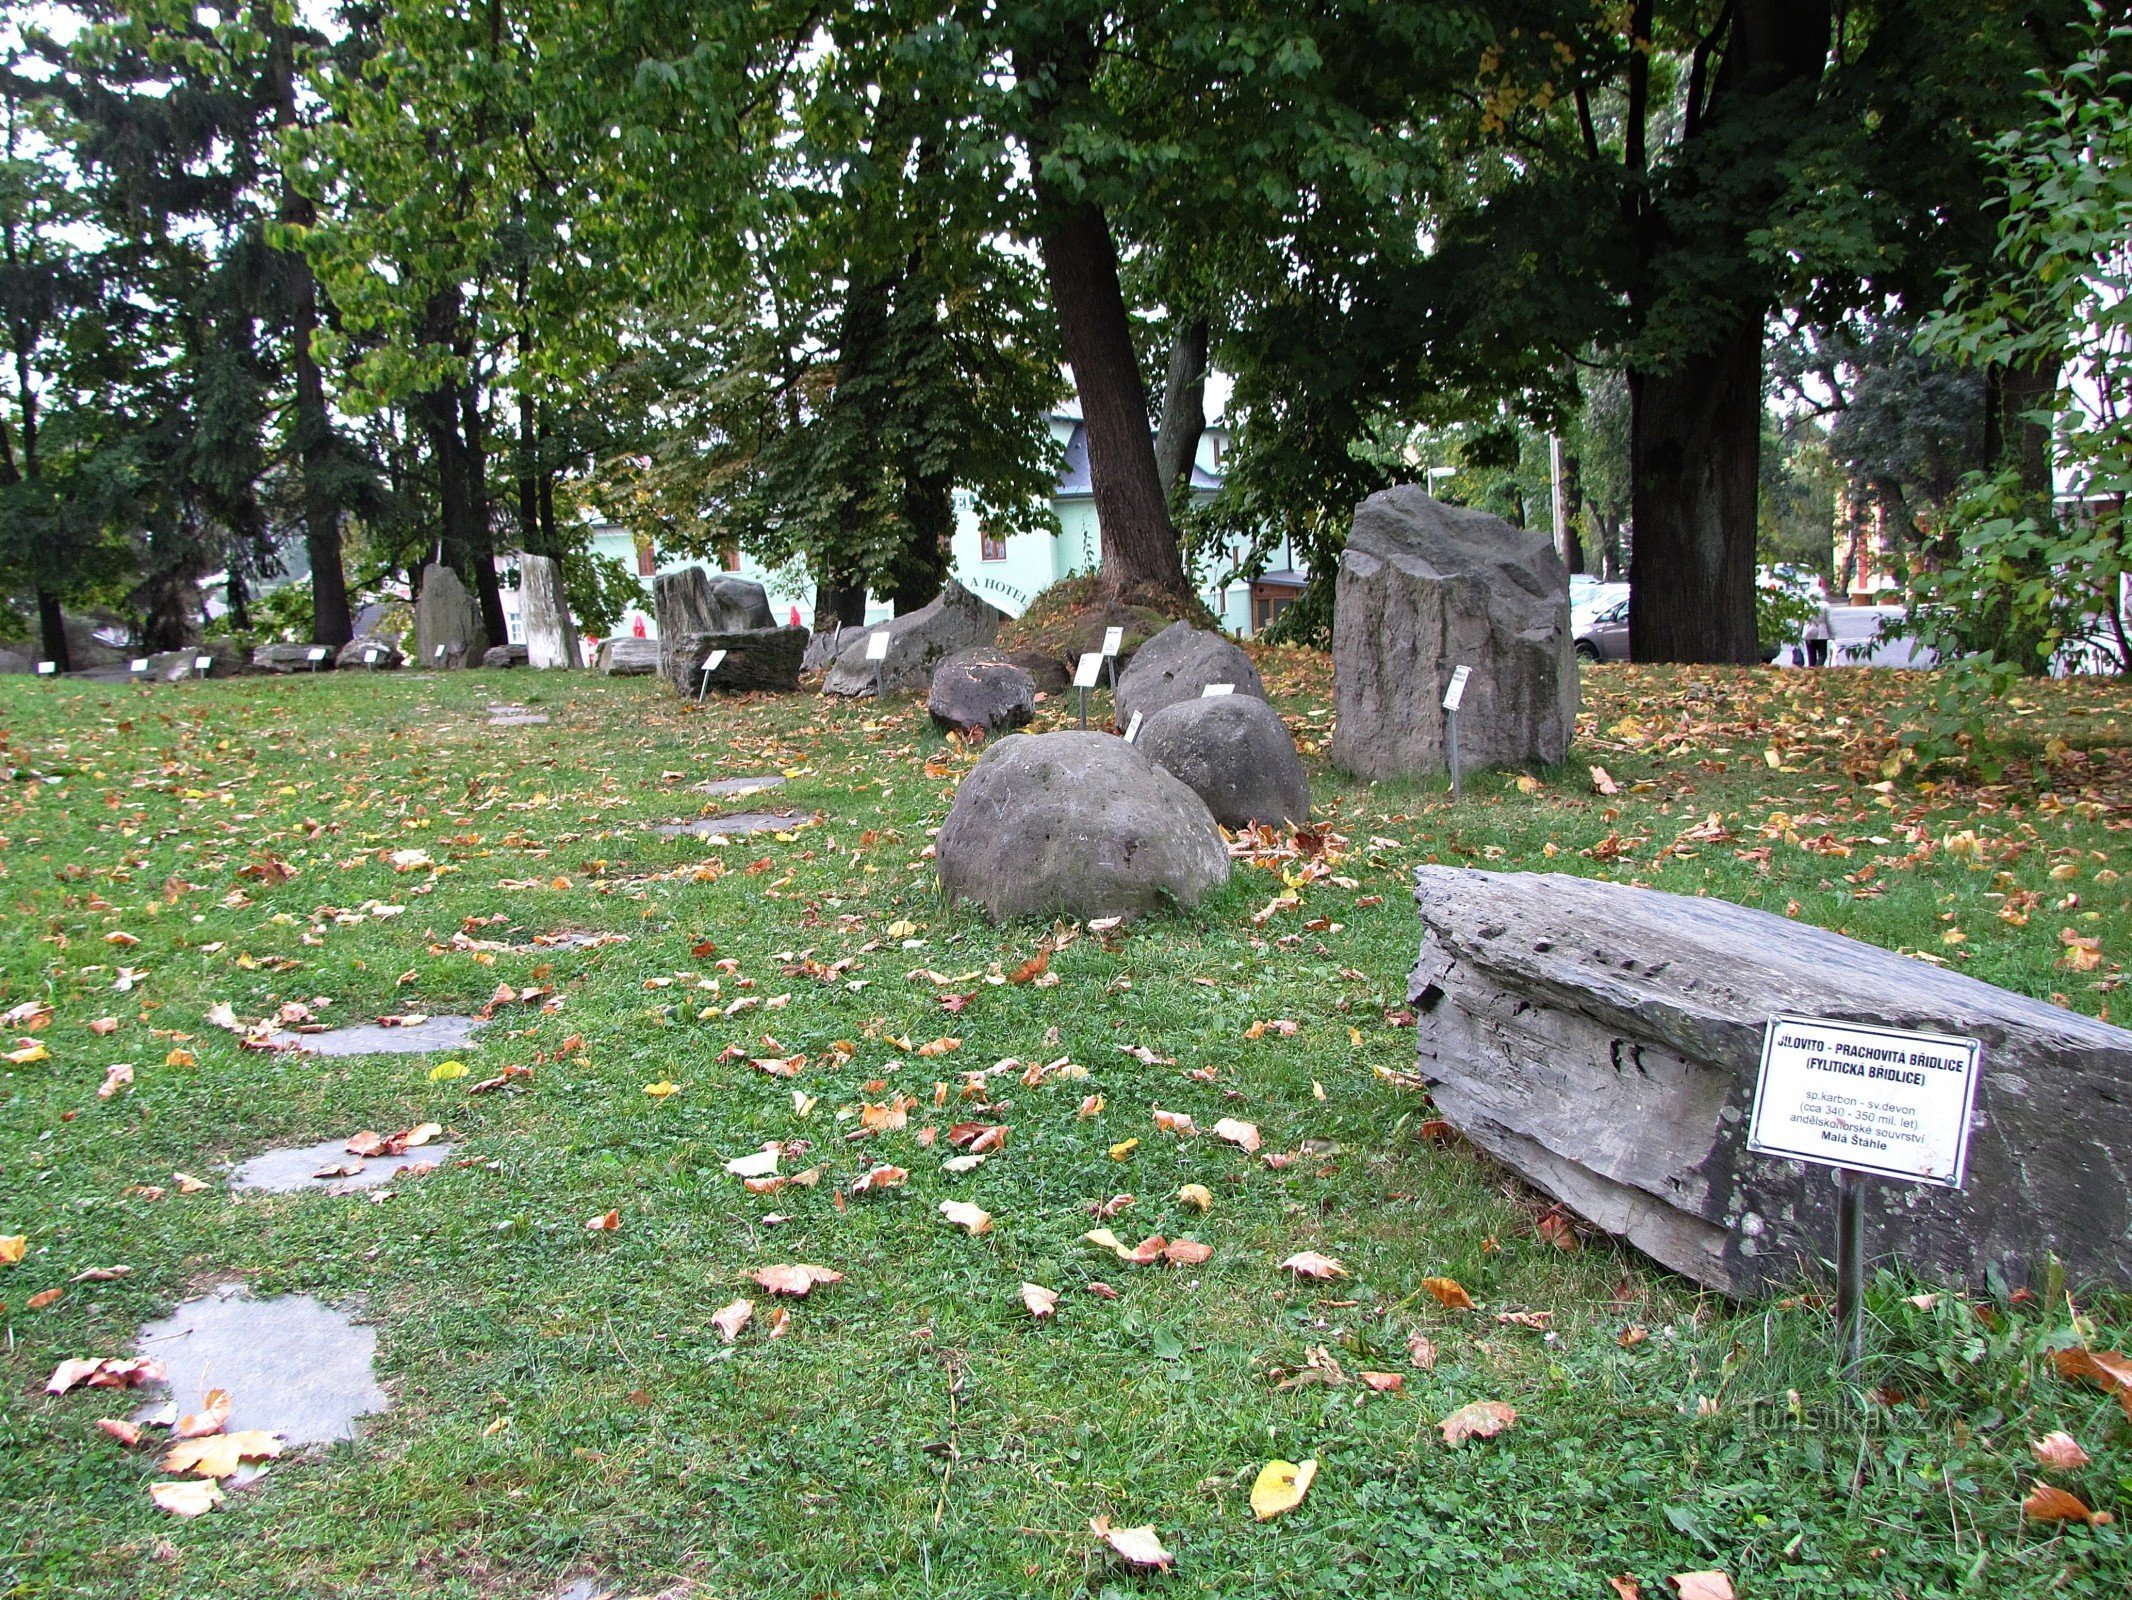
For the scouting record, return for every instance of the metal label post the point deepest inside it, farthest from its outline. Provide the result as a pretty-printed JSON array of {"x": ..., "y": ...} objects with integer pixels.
[
  {"x": 711, "y": 664},
  {"x": 1113, "y": 642},
  {"x": 877, "y": 653},
  {"x": 1085, "y": 673},
  {"x": 1454, "y": 694},
  {"x": 1850, "y": 1264}
]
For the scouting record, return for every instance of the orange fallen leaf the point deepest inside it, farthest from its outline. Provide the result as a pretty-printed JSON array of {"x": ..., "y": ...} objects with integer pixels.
[
  {"x": 939, "y": 1047},
  {"x": 44, "y": 1297},
  {"x": 2058, "y": 1450},
  {"x": 1626, "y": 1587},
  {"x": 121, "y": 1430},
  {"x": 795, "y": 1280},
  {"x": 2047, "y": 1504},
  {"x": 605, "y": 1222},
  {"x": 1449, "y": 1292},
  {"x": 1179, "y": 1122},
  {"x": 1140, "y": 1546},
  {"x": 213, "y": 1412},
  {"x": 1187, "y": 1252},
  {"x": 1035, "y": 967},
  {"x": 1478, "y": 1419},
  {"x": 876, "y": 1178},
  {"x": 1384, "y": 1382},
  {"x": 2106, "y": 1369}
]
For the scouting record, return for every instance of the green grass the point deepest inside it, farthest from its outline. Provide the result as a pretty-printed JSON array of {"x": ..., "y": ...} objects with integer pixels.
[{"x": 562, "y": 1403}]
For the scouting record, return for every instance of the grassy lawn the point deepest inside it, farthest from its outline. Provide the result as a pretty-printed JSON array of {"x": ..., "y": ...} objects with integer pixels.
[{"x": 563, "y": 1403}]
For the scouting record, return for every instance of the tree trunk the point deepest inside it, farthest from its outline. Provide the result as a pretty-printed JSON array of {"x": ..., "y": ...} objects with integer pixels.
[
  {"x": 52, "y": 630},
  {"x": 839, "y": 604},
  {"x": 238, "y": 601},
  {"x": 1695, "y": 440},
  {"x": 1695, "y": 432},
  {"x": 920, "y": 570},
  {"x": 480, "y": 541},
  {"x": 1572, "y": 495},
  {"x": 1184, "y": 406},
  {"x": 1081, "y": 262},
  {"x": 528, "y": 465}
]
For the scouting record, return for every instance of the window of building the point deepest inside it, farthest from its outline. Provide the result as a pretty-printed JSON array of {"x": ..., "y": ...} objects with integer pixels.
[
  {"x": 991, "y": 546},
  {"x": 730, "y": 555},
  {"x": 647, "y": 561}
]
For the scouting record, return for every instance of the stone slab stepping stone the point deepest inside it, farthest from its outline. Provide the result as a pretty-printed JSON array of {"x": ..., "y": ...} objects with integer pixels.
[
  {"x": 729, "y": 787},
  {"x": 368, "y": 1039},
  {"x": 290, "y": 1364},
  {"x": 516, "y": 717},
  {"x": 285, "y": 1171},
  {"x": 738, "y": 822}
]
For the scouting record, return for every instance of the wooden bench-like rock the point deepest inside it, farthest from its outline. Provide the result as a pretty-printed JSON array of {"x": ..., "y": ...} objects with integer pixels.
[{"x": 1604, "y": 1042}]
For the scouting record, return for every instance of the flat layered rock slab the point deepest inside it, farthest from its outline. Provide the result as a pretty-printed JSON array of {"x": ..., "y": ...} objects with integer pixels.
[
  {"x": 728, "y": 788},
  {"x": 518, "y": 719},
  {"x": 429, "y": 1035},
  {"x": 290, "y": 1364},
  {"x": 287, "y": 1171},
  {"x": 739, "y": 822}
]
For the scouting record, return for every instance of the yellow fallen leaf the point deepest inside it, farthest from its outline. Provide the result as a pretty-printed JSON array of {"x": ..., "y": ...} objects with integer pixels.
[
  {"x": 189, "y": 1497},
  {"x": 13, "y": 1247},
  {"x": 661, "y": 1089},
  {"x": 1123, "y": 1148},
  {"x": 444, "y": 1071},
  {"x": 30, "y": 1050},
  {"x": 971, "y": 1219},
  {"x": 1280, "y": 1487},
  {"x": 219, "y": 1455},
  {"x": 1197, "y": 1196},
  {"x": 1450, "y": 1292},
  {"x": 181, "y": 1058}
]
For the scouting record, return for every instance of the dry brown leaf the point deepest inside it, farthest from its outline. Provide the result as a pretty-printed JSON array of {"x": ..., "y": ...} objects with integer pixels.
[
  {"x": 876, "y": 1178},
  {"x": 213, "y": 1412},
  {"x": 2106, "y": 1369},
  {"x": 1478, "y": 1419},
  {"x": 1703, "y": 1586},
  {"x": 1140, "y": 1546},
  {"x": 1040, "y": 1301},
  {"x": 186, "y": 1497},
  {"x": 2048, "y": 1504},
  {"x": 1626, "y": 1587},
  {"x": 121, "y": 1430},
  {"x": 1310, "y": 1264},
  {"x": 1384, "y": 1382},
  {"x": 1243, "y": 1135},
  {"x": 1420, "y": 1350},
  {"x": 605, "y": 1222},
  {"x": 1450, "y": 1293},
  {"x": 44, "y": 1297},
  {"x": 1173, "y": 1121},
  {"x": 730, "y": 1319},
  {"x": 2060, "y": 1451},
  {"x": 795, "y": 1280},
  {"x": 1187, "y": 1253},
  {"x": 221, "y": 1454}
]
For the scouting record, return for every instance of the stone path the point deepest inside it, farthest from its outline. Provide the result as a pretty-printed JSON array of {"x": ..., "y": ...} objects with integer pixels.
[
  {"x": 731, "y": 788},
  {"x": 290, "y": 1364},
  {"x": 502, "y": 716},
  {"x": 286, "y": 1171},
  {"x": 734, "y": 824},
  {"x": 368, "y": 1039}
]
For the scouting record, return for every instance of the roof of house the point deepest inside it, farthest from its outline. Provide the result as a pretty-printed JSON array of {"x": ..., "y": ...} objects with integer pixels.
[{"x": 1074, "y": 482}]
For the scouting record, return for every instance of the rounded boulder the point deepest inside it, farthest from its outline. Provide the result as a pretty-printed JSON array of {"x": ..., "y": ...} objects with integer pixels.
[
  {"x": 1078, "y": 825},
  {"x": 981, "y": 692},
  {"x": 1236, "y": 754},
  {"x": 1178, "y": 664}
]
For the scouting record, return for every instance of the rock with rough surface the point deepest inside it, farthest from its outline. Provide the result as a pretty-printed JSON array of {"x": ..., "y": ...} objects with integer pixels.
[
  {"x": 755, "y": 658},
  {"x": 503, "y": 657},
  {"x": 1604, "y": 1042},
  {"x": 551, "y": 632},
  {"x": 626, "y": 656},
  {"x": 448, "y": 629},
  {"x": 224, "y": 660},
  {"x": 1236, "y": 754},
  {"x": 1076, "y": 825},
  {"x": 293, "y": 658},
  {"x": 1178, "y": 664},
  {"x": 918, "y": 642},
  {"x": 369, "y": 655},
  {"x": 1425, "y": 588},
  {"x": 981, "y": 692}
]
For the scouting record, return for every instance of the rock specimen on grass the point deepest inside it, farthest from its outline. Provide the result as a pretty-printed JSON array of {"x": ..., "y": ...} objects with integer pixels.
[
  {"x": 290, "y": 1364},
  {"x": 981, "y": 692},
  {"x": 447, "y": 627},
  {"x": 1077, "y": 825},
  {"x": 369, "y": 655},
  {"x": 293, "y": 658},
  {"x": 551, "y": 633},
  {"x": 1425, "y": 588},
  {"x": 626, "y": 656},
  {"x": 1236, "y": 754},
  {"x": 755, "y": 659},
  {"x": 918, "y": 642},
  {"x": 224, "y": 660},
  {"x": 1178, "y": 664},
  {"x": 1604, "y": 1042},
  {"x": 505, "y": 657}
]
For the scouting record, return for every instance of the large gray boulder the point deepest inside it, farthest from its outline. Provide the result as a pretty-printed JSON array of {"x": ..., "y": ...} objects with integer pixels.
[
  {"x": 626, "y": 656},
  {"x": 981, "y": 692},
  {"x": 918, "y": 642},
  {"x": 366, "y": 653},
  {"x": 15, "y": 661},
  {"x": 1236, "y": 754},
  {"x": 293, "y": 658},
  {"x": 1076, "y": 825},
  {"x": 755, "y": 659},
  {"x": 1425, "y": 588},
  {"x": 1178, "y": 664},
  {"x": 224, "y": 660},
  {"x": 505, "y": 657},
  {"x": 1604, "y": 1042},
  {"x": 448, "y": 630},
  {"x": 544, "y": 606}
]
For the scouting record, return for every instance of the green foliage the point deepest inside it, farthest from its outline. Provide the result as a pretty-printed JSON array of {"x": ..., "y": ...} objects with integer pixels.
[
  {"x": 281, "y": 615},
  {"x": 601, "y": 590}
]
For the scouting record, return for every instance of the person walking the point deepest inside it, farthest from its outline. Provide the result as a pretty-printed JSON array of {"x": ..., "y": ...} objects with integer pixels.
[{"x": 1817, "y": 629}]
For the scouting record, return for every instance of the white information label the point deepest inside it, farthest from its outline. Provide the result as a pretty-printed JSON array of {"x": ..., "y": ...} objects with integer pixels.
[
  {"x": 1085, "y": 674},
  {"x": 712, "y": 662},
  {"x": 1214, "y": 691},
  {"x": 1457, "y": 691},
  {"x": 877, "y": 646},
  {"x": 1113, "y": 640},
  {"x": 202, "y": 663},
  {"x": 141, "y": 663},
  {"x": 1132, "y": 728},
  {"x": 1880, "y": 1100},
  {"x": 370, "y": 655},
  {"x": 317, "y": 652},
  {"x": 47, "y": 669},
  {"x": 437, "y": 654}
]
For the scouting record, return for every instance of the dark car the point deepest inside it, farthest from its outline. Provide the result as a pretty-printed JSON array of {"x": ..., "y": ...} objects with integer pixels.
[{"x": 1606, "y": 636}]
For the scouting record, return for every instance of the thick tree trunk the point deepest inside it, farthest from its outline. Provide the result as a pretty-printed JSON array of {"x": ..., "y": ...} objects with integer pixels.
[
  {"x": 1572, "y": 496},
  {"x": 920, "y": 571},
  {"x": 52, "y": 630},
  {"x": 839, "y": 604},
  {"x": 1184, "y": 406},
  {"x": 1695, "y": 442},
  {"x": 488, "y": 593},
  {"x": 1081, "y": 262}
]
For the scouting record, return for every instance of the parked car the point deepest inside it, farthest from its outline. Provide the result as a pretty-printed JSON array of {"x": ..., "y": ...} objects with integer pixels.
[{"x": 1604, "y": 634}]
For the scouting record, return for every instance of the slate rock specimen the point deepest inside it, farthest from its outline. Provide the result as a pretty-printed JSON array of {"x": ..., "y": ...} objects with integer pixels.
[
  {"x": 224, "y": 660},
  {"x": 1425, "y": 588},
  {"x": 1236, "y": 754},
  {"x": 1077, "y": 825},
  {"x": 506, "y": 656},
  {"x": 551, "y": 632},
  {"x": 1604, "y": 1042},
  {"x": 1178, "y": 664},
  {"x": 364, "y": 654},
  {"x": 755, "y": 659},
  {"x": 448, "y": 630},
  {"x": 293, "y": 658},
  {"x": 981, "y": 692},
  {"x": 626, "y": 656},
  {"x": 918, "y": 642}
]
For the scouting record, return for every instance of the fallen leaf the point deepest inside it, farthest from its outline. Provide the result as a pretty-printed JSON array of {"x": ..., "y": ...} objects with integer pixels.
[
  {"x": 879, "y": 1177},
  {"x": 188, "y": 1184},
  {"x": 1450, "y": 1292},
  {"x": 939, "y": 1047},
  {"x": 444, "y": 1071},
  {"x": 1603, "y": 783},
  {"x": 1626, "y": 1587},
  {"x": 1091, "y": 1106},
  {"x": 13, "y": 1247},
  {"x": 28, "y": 1051},
  {"x": 1197, "y": 1196},
  {"x": 2047, "y": 1504},
  {"x": 2106, "y": 1369},
  {"x": 971, "y": 1219},
  {"x": 101, "y": 1274},
  {"x": 103, "y": 1025},
  {"x": 1173, "y": 1121},
  {"x": 1480, "y": 1419},
  {"x": 417, "y": 1136},
  {"x": 43, "y": 1298},
  {"x": 2060, "y": 1451},
  {"x": 1421, "y": 1351},
  {"x": 220, "y": 1455},
  {"x": 1384, "y": 1382},
  {"x": 1040, "y": 1301},
  {"x": 1310, "y": 1264},
  {"x": 1555, "y": 1227},
  {"x": 121, "y": 1430},
  {"x": 795, "y": 1280},
  {"x": 1243, "y": 1135},
  {"x": 1034, "y": 967},
  {"x": 116, "y": 1077},
  {"x": 605, "y": 1222},
  {"x": 181, "y": 1058},
  {"x": 1140, "y": 1546},
  {"x": 732, "y": 1318},
  {"x": 213, "y": 1412},
  {"x": 759, "y": 1165},
  {"x": 1123, "y": 1148},
  {"x": 1281, "y": 1486},
  {"x": 187, "y": 1497},
  {"x": 69, "y": 1374}
]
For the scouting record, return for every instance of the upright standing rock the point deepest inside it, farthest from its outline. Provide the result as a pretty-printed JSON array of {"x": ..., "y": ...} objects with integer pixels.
[
  {"x": 551, "y": 635},
  {"x": 445, "y": 619},
  {"x": 691, "y": 604},
  {"x": 1424, "y": 588},
  {"x": 1178, "y": 664}
]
